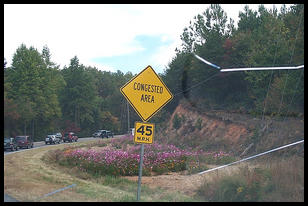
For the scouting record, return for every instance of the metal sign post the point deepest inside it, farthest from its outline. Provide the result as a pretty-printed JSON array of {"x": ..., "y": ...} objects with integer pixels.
[
  {"x": 140, "y": 172},
  {"x": 144, "y": 134},
  {"x": 147, "y": 94}
]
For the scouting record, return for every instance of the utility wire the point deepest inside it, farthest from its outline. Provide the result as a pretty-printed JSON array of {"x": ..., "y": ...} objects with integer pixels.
[
  {"x": 202, "y": 82},
  {"x": 261, "y": 68},
  {"x": 251, "y": 157},
  {"x": 207, "y": 62}
]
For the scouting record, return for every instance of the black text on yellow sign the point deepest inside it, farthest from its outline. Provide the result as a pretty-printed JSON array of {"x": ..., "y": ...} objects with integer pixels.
[
  {"x": 147, "y": 93},
  {"x": 144, "y": 133}
]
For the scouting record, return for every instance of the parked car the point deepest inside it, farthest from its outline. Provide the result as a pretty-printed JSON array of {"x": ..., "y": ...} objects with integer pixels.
[
  {"x": 52, "y": 139},
  {"x": 10, "y": 143},
  {"x": 97, "y": 133},
  {"x": 132, "y": 131},
  {"x": 24, "y": 141},
  {"x": 58, "y": 135},
  {"x": 70, "y": 137},
  {"x": 104, "y": 134},
  {"x": 109, "y": 134}
]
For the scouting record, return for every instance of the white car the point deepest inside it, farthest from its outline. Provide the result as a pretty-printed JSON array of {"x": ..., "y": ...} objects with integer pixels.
[
  {"x": 59, "y": 135},
  {"x": 52, "y": 139}
]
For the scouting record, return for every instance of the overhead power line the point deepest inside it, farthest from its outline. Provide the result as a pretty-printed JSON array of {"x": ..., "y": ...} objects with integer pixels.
[
  {"x": 207, "y": 62},
  {"x": 247, "y": 68},
  {"x": 259, "y": 68},
  {"x": 254, "y": 156}
]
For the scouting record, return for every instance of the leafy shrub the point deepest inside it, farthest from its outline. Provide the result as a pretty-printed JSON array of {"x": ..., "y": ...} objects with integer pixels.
[
  {"x": 176, "y": 122},
  {"x": 247, "y": 185},
  {"x": 216, "y": 158},
  {"x": 199, "y": 124},
  {"x": 157, "y": 158},
  {"x": 119, "y": 142},
  {"x": 124, "y": 161},
  {"x": 193, "y": 165}
]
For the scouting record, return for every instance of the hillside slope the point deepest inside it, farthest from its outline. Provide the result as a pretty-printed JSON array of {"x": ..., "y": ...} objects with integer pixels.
[{"x": 236, "y": 133}]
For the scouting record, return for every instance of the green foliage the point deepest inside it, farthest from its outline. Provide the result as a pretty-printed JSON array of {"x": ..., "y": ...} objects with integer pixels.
[
  {"x": 39, "y": 95},
  {"x": 217, "y": 158},
  {"x": 39, "y": 98},
  {"x": 263, "y": 38},
  {"x": 122, "y": 161},
  {"x": 177, "y": 121},
  {"x": 194, "y": 166},
  {"x": 256, "y": 136},
  {"x": 33, "y": 89},
  {"x": 199, "y": 124}
]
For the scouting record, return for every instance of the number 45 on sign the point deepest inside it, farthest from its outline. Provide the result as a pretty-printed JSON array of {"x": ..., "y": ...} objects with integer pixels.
[{"x": 144, "y": 132}]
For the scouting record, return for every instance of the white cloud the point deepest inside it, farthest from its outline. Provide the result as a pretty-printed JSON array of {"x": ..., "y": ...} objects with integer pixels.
[
  {"x": 90, "y": 31},
  {"x": 164, "y": 54},
  {"x": 87, "y": 31}
]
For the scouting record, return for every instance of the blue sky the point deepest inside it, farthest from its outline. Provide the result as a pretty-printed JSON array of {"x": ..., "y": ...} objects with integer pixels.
[
  {"x": 111, "y": 37},
  {"x": 139, "y": 59}
]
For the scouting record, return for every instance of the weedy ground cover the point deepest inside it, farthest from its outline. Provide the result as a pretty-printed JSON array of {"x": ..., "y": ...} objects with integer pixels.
[
  {"x": 278, "y": 180},
  {"x": 30, "y": 174},
  {"x": 121, "y": 158}
]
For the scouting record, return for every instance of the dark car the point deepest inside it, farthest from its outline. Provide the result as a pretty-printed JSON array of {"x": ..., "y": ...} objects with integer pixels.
[
  {"x": 70, "y": 137},
  {"x": 97, "y": 133},
  {"x": 24, "y": 141},
  {"x": 10, "y": 143},
  {"x": 109, "y": 134},
  {"x": 52, "y": 139},
  {"x": 103, "y": 134}
]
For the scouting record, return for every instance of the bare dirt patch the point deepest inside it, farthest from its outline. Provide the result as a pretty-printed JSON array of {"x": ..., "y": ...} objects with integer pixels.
[
  {"x": 186, "y": 184},
  {"x": 172, "y": 181},
  {"x": 232, "y": 132}
]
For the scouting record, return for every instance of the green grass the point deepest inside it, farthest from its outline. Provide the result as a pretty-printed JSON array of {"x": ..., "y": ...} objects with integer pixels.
[
  {"x": 117, "y": 189},
  {"x": 48, "y": 178},
  {"x": 277, "y": 180},
  {"x": 126, "y": 198}
]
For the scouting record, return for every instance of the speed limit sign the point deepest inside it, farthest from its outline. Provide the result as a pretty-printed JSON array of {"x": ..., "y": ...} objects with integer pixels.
[{"x": 144, "y": 132}]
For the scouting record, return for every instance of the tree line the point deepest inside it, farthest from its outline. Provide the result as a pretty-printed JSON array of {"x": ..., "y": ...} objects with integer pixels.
[
  {"x": 40, "y": 97},
  {"x": 263, "y": 38}
]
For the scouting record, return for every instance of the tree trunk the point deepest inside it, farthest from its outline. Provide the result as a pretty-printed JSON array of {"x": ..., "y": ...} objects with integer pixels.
[
  {"x": 25, "y": 128},
  {"x": 33, "y": 128}
]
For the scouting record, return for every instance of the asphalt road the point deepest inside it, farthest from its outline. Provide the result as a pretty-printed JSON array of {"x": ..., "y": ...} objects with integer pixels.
[
  {"x": 42, "y": 144},
  {"x": 36, "y": 145}
]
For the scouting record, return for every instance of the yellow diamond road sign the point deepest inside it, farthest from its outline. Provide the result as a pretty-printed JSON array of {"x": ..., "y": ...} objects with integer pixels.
[{"x": 147, "y": 93}]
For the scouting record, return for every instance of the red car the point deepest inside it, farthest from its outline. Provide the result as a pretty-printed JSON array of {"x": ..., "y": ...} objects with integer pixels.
[
  {"x": 24, "y": 141},
  {"x": 70, "y": 137}
]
